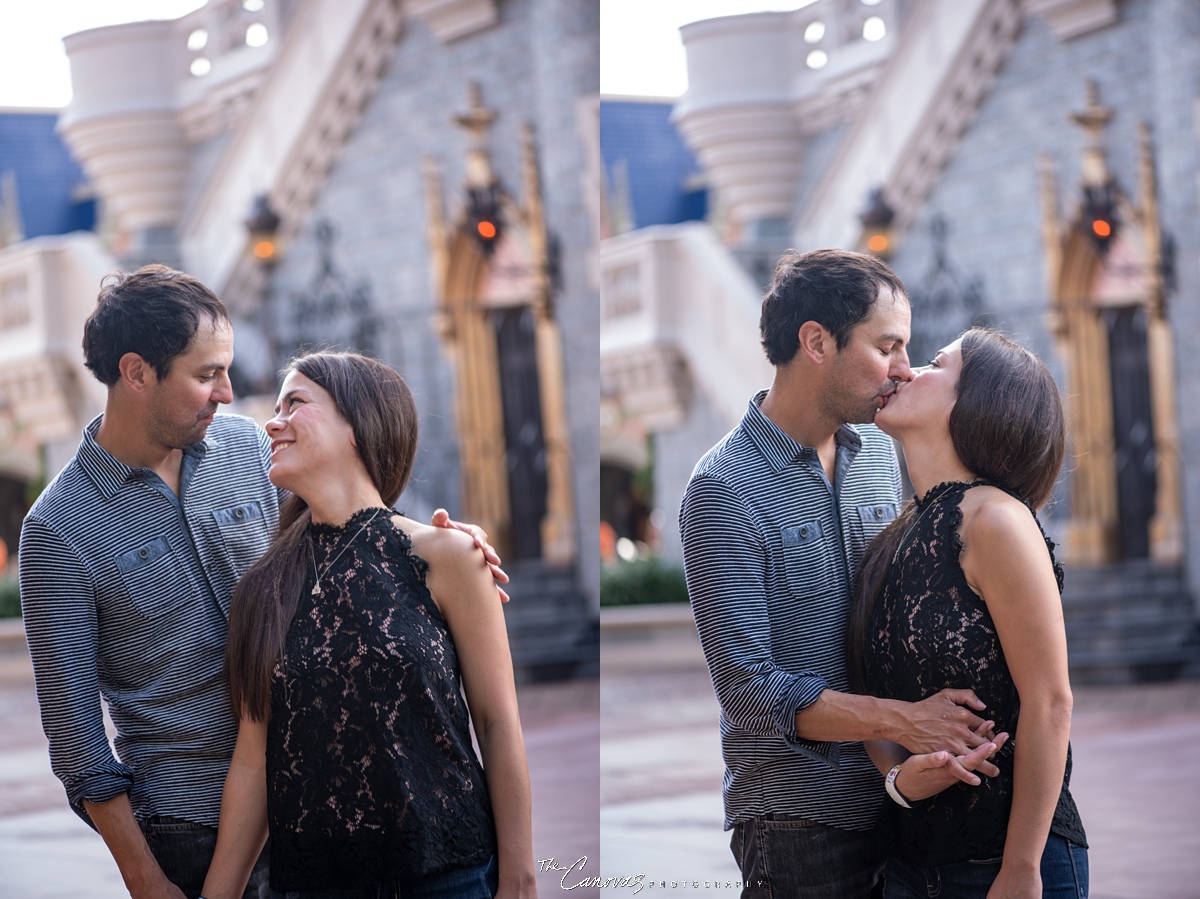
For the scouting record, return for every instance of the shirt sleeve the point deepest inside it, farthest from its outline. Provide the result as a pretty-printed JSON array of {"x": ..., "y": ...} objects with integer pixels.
[
  {"x": 725, "y": 556},
  {"x": 59, "y": 611}
]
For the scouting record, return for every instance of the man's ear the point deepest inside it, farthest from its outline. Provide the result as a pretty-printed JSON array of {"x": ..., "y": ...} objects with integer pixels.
[
  {"x": 815, "y": 342},
  {"x": 136, "y": 373}
]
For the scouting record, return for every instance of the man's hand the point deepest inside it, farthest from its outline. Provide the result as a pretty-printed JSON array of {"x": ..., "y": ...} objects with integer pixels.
[
  {"x": 924, "y": 775},
  {"x": 944, "y": 721},
  {"x": 441, "y": 519},
  {"x": 162, "y": 889}
]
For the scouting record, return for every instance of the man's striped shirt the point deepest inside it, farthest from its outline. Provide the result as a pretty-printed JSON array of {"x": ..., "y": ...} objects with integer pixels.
[
  {"x": 770, "y": 548},
  {"x": 125, "y": 591}
]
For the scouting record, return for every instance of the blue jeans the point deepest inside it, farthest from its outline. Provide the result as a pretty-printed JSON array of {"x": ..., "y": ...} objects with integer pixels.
[
  {"x": 1064, "y": 876},
  {"x": 184, "y": 850},
  {"x": 783, "y": 857},
  {"x": 479, "y": 882}
]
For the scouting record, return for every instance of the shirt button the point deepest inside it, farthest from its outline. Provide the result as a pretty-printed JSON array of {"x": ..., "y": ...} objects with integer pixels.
[
  {"x": 803, "y": 532},
  {"x": 239, "y": 513},
  {"x": 143, "y": 553},
  {"x": 879, "y": 511}
]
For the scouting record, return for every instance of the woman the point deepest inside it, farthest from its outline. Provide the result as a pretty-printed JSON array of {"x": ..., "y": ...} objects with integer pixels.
[
  {"x": 347, "y": 641},
  {"x": 963, "y": 590}
]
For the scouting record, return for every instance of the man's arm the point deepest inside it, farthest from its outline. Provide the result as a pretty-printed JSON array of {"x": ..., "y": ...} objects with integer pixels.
[
  {"x": 725, "y": 560},
  {"x": 143, "y": 877},
  {"x": 59, "y": 612},
  {"x": 943, "y": 721}
]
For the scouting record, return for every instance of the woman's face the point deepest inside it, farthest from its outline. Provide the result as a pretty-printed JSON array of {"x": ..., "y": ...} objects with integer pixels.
[
  {"x": 927, "y": 399},
  {"x": 309, "y": 437}
]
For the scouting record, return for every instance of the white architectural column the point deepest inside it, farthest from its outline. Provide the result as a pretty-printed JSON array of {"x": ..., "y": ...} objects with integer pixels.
[
  {"x": 737, "y": 114},
  {"x": 122, "y": 121}
]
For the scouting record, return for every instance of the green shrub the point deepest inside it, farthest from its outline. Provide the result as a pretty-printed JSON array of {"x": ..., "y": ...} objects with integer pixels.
[
  {"x": 10, "y": 597},
  {"x": 642, "y": 581}
]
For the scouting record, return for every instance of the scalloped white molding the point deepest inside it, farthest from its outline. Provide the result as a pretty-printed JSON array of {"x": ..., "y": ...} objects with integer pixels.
[
  {"x": 1071, "y": 18},
  {"x": 452, "y": 19}
]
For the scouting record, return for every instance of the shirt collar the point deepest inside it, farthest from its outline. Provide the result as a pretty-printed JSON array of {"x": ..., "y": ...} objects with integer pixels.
[
  {"x": 778, "y": 448},
  {"x": 108, "y": 472}
]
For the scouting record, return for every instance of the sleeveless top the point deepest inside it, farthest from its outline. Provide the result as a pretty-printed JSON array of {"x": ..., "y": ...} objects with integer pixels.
[
  {"x": 371, "y": 773},
  {"x": 930, "y": 631}
]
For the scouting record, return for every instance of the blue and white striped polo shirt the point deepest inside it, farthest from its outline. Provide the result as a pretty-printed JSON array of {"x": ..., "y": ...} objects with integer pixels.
[
  {"x": 770, "y": 548},
  {"x": 125, "y": 592}
]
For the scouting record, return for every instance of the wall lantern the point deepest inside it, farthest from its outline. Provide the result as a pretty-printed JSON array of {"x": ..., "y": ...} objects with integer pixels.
[
  {"x": 876, "y": 221},
  {"x": 1098, "y": 218},
  {"x": 263, "y": 228},
  {"x": 483, "y": 216}
]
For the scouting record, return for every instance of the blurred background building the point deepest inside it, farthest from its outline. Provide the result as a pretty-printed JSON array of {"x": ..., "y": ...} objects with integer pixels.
[
  {"x": 1033, "y": 165},
  {"x": 413, "y": 179}
]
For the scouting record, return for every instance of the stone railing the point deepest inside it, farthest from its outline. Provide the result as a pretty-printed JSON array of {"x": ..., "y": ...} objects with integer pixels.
[
  {"x": 677, "y": 310},
  {"x": 48, "y": 286}
]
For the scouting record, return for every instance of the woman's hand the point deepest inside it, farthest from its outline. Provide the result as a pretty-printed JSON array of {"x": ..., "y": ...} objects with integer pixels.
[
  {"x": 922, "y": 776},
  {"x": 1013, "y": 884},
  {"x": 441, "y": 519}
]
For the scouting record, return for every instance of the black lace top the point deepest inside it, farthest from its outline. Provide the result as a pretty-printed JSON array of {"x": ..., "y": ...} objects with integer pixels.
[
  {"x": 930, "y": 631},
  {"x": 371, "y": 774}
]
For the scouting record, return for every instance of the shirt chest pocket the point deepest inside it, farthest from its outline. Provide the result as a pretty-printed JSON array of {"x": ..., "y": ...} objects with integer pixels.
[
  {"x": 810, "y": 557},
  {"x": 244, "y": 532},
  {"x": 155, "y": 578},
  {"x": 874, "y": 517}
]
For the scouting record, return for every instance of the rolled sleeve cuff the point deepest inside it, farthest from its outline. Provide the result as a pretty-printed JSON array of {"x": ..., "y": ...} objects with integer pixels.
[
  {"x": 802, "y": 693},
  {"x": 98, "y": 786}
]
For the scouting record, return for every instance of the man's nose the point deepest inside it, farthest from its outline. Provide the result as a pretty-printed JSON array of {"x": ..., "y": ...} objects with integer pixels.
[
  {"x": 900, "y": 370},
  {"x": 223, "y": 391}
]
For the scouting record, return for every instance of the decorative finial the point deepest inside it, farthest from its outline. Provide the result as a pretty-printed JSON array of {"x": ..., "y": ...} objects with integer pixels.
[
  {"x": 476, "y": 122},
  {"x": 1092, "y": 120}
]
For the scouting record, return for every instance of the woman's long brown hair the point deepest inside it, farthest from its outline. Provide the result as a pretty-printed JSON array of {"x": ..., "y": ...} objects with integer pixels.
[
  {"x": 380, "y": 408},
  {"x": 1007, "y": 426}
]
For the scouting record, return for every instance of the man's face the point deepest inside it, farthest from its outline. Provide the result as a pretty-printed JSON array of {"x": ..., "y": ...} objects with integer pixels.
[
  {"x": 181, "y": 406},
  {"x": 865, "y": 371}
]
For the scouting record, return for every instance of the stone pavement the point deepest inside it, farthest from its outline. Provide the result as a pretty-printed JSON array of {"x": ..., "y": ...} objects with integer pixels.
[
  {"x": 46, "y": 852},
  {"x": 1135, "y": 780}
]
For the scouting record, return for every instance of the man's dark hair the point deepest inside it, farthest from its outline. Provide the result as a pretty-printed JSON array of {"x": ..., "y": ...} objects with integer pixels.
[
  {"x": 834, "y": 288},
  {"x": 154, "y": 312}
]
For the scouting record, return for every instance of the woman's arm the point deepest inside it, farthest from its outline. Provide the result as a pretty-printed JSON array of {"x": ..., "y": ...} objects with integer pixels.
[
  {"x": 242, "y": 829},
  {"x": 1006, "y": 562},
  {"x": 462, "y": 585},
  {"x": 925, "y": 775}
]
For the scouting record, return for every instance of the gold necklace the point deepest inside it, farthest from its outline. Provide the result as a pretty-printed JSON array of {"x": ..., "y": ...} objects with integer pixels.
[
  {"x": 316, "y": 590},
  {"x": 932, "y": 503}
]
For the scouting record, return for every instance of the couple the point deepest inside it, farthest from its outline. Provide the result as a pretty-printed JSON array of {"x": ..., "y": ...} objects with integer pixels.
[
  {"x": 853, "y": 646},
  {"x": 349, "y": 630}
]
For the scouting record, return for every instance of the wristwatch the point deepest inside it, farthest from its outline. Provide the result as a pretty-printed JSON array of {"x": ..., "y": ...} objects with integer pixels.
[{"x": 889, "y": 784}]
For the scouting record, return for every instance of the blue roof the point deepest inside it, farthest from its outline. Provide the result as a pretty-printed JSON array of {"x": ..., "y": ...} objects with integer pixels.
[
  {"x": 47, "y": 177},
  {"x": 663, "y": 175}
]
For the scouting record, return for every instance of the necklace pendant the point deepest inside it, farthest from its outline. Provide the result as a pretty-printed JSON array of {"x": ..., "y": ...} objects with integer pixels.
[{"x": 316, "y": 590}]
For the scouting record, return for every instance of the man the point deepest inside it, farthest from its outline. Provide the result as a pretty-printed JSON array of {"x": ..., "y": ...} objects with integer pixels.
[
  {"x": 128, "y": 561},
  {"x": 774, "y": 521}
]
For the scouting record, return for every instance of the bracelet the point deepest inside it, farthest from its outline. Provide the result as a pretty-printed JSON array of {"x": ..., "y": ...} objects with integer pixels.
[{"x": 889, "y": 784}]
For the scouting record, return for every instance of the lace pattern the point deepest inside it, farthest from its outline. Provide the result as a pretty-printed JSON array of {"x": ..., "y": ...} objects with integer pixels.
[
  {"x": 930, "y": 631},
  {"x": 372, "y": 776}
]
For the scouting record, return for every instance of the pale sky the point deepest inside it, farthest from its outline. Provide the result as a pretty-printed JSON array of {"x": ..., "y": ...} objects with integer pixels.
[
  {"x": 34, "y": 71},
  {"x": 641, "y": 53}
]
